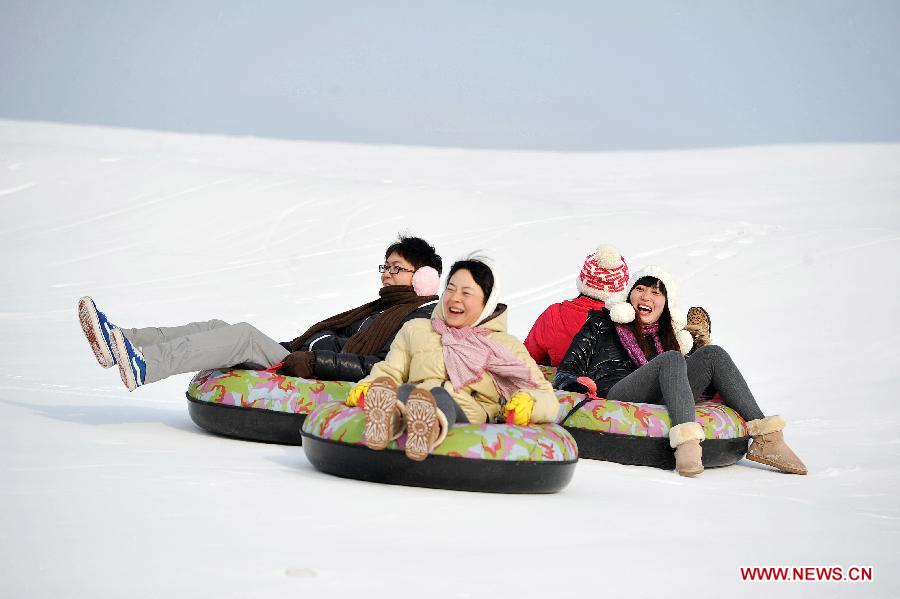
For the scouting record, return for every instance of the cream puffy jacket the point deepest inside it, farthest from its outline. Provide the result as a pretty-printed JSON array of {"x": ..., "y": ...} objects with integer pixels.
[{"x": 417, "y": 356}]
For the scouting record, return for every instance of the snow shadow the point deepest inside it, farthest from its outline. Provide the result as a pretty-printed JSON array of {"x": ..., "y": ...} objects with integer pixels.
[{"x": 109, "y": 415}]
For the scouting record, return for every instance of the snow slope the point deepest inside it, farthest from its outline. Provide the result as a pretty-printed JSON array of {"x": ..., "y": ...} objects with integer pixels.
[{"x": 111, "y": 494}]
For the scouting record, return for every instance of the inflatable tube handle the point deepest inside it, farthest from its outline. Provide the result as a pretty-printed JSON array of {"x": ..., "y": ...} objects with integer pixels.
[
  {"x": 591, "y": 386},
  {"x": 590, "y": 395}
]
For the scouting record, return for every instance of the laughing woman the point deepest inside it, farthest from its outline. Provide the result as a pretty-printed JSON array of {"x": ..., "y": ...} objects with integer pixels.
[
  {"x": 634, "y": 351},
  {"x": 460, "y": 366}
]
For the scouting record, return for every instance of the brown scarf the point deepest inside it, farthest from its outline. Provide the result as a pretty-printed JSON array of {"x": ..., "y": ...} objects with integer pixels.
[{"x": 395, "y": 303}]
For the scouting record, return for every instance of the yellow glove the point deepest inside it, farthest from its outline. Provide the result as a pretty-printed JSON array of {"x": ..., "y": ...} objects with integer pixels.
[
  {"x": 357, "y": 393},
  {"x": 522, "y": 404}
]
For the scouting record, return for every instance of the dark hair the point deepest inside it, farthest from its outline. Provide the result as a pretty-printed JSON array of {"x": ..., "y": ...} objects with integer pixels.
[
  {"x": 480, "y": 271},
  {"x": 416, "y": 251},
  {"x": 666, "y": 330}
]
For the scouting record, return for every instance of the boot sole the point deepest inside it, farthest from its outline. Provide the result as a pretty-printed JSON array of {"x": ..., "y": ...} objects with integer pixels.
[
  {"x": 120, "y": 351},
  {"x": 381, "y": 400},
  {"x": 90, "y": 324},
  {"x": 690, "y": 473},
  {"x": 421, "y": 421},
  {"x": 773, "y": 464}
]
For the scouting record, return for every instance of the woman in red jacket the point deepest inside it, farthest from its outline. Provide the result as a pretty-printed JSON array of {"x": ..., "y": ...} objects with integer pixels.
[{"x": 603, "y": 278}]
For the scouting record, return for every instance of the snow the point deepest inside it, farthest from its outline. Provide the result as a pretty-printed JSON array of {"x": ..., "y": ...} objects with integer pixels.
[{"x": 110, "y": 494}]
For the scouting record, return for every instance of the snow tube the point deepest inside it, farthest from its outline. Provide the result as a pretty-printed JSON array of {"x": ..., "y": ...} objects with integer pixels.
[
  {"x": 257, "y": 405},
  {"x": 492, "y": 458},
  {"x": 638, "y": 433}
]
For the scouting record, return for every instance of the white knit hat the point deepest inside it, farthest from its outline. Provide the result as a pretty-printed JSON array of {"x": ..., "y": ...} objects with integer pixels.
[
  {"x": 603, "y": 275},
  {"x": 623, "y": 311}
]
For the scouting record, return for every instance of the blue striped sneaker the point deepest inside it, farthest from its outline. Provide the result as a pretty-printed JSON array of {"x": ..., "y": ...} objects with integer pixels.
[
  {"x": 132, "y": 366},
  {"x": 97, "y": 329}
]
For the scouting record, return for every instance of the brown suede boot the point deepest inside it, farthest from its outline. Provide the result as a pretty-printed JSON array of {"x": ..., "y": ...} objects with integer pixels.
[
  {"x": 699, "y": 326},
  {"x": 769, "y": 448},
  {"x": 685, "y": 439},
  {"x": 426, "y": 426},
  {"x": 384, "y": 414}
]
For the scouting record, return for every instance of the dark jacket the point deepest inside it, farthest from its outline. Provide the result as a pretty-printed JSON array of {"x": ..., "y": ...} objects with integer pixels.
[
  {"x": 330, "y": 364},
  {"x": 556, "y": 327},
  {"x": 597, "y": 353}
]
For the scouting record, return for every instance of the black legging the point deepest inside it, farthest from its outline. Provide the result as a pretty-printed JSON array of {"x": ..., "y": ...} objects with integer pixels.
[
  {"x": 444, "y": 401},
  {"x": 677, "y": 382}
]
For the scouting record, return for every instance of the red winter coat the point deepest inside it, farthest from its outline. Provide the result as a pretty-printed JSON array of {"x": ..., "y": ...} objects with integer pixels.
[{"x": 553, "y": 331}]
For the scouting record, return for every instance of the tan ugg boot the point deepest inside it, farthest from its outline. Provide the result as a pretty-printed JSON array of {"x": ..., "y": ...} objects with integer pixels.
[
  {"x": 769, "y": 448},
  {"x": 426, "y": 425},
  {"x": 384, "y": 414},
  {"x": 685, "y": 438},
  {"x": 699, "y": 326}
]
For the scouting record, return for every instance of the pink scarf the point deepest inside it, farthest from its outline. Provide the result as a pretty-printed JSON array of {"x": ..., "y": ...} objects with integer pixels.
[
  {"x": 626, "y": 336},
  {"x": 468, "y": 353}
]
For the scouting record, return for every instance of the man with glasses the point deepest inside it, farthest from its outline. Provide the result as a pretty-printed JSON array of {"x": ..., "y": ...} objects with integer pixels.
[
  {"x": 343, "y": 347},
  {"x": 347, "y": 345}
]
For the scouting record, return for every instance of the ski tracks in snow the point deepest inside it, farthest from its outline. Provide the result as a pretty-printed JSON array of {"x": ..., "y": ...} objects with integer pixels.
[{"x": 12, "y": 190}]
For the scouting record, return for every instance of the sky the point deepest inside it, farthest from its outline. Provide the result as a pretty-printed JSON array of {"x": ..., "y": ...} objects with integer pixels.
[{"x": 564, "y": 75}]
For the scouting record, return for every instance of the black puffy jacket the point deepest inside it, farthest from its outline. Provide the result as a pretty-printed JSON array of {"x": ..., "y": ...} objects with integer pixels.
[
  {"x": 596, "y": 353},
  {"x": 331, "y": 364}
]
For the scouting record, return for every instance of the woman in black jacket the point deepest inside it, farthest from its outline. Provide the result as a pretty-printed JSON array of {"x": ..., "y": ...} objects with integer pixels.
[{"x": 634, "y": 351}]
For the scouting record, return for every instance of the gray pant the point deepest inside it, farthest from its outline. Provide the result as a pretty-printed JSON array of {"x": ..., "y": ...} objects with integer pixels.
[
  {"x": 677, "y": 382},
  {"x": 203, "y": 345}
]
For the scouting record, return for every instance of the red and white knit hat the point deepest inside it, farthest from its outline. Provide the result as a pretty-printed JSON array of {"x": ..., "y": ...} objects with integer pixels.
[{"x": 604, "y": 275}]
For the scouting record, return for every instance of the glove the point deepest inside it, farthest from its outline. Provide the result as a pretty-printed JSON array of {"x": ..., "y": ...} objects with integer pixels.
[
  {"x": 698, "y": 326},
  {"x": 522, "y": 404},
  {"x": 299, "y": 363},
  {"x": 590, "y": 385},
  {"x": 699, "y": 333},
  {"x": 357, "y": 393}
]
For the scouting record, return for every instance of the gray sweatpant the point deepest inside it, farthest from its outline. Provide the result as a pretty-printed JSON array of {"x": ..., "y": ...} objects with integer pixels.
[
  {"x": 677, "y": 382},
  {"x": 203, "y": 345}
]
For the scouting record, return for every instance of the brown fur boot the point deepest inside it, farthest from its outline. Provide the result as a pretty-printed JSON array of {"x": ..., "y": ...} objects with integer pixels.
[
  {"x": 699, "y": 326},
  {"x": 384, "y": 414},
  {"x": 769, "y": 448},
  {"x": 685, "y": 439},
  {"x": 426, "y": 425}
]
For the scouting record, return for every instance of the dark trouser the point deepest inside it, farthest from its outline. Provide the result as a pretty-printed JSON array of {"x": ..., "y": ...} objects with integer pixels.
[
  {"x": 443, "y": 400},
  {"x": 677, "y": 382}
]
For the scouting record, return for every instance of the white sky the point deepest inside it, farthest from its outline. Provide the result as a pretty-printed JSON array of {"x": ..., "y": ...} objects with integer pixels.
[{"x": 576, "y": 75}]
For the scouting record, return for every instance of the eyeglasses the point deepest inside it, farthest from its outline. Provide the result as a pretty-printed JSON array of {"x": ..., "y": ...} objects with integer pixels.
[{"x": 393, "y": 269}]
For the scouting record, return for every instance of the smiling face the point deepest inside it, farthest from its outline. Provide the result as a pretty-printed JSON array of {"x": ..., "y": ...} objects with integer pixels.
[
  {"x": 648, "y": 302},
  {"x": 401, "y": 278},
  {"x": 463, "y": 300}
]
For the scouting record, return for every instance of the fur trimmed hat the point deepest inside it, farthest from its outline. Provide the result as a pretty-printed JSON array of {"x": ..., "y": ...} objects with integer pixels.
[
  {"x": 604, "y": 275},
  {"x": 490, "y": 302},
  {"x": 623, "y": 312}
]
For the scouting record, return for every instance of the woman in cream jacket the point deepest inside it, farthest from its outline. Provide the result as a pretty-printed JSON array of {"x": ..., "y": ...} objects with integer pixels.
[{"x": 460, "y": 366}]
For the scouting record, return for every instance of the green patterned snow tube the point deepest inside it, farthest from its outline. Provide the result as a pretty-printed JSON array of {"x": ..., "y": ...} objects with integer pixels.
[
  {"x": 495, "y": 458},
  {"x": 258, "y": 405},
  {"x": 638, "y": 433}
]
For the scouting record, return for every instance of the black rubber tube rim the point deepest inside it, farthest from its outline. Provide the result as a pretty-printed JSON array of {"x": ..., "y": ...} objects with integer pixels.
[
  {"x": 267, "y": 426},
  {"x": 249, "y": 424},
  {"x": 652, "y": 451},
  {"x": 437, "y": 471}
]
